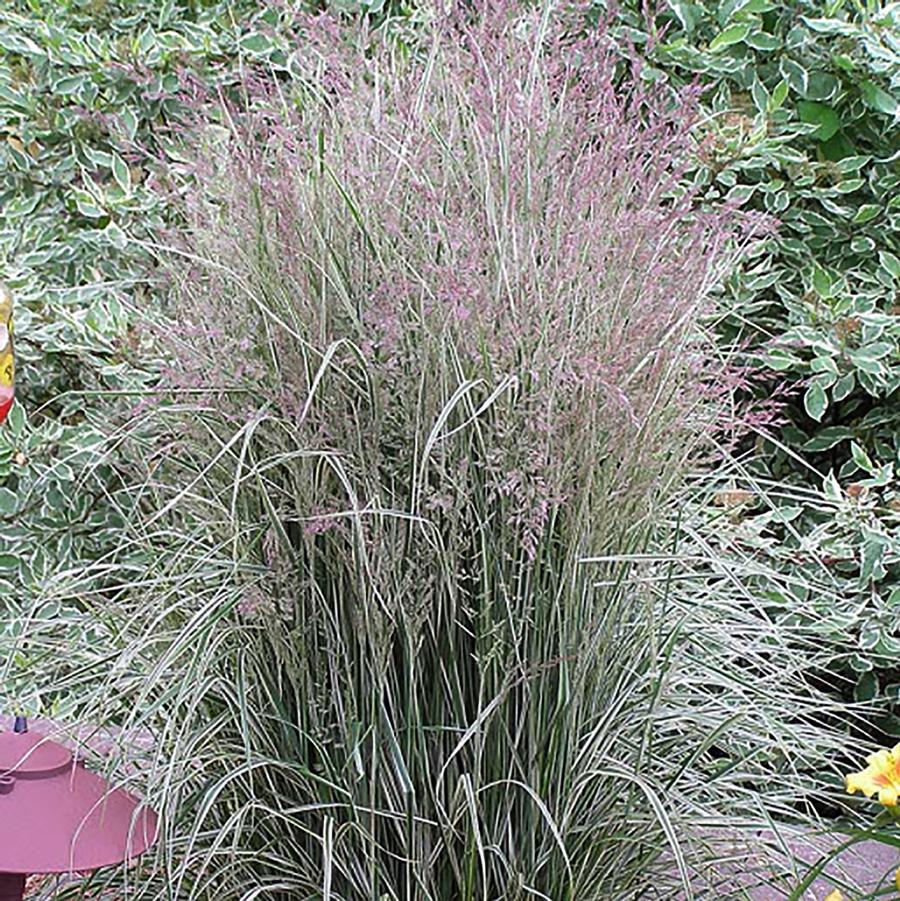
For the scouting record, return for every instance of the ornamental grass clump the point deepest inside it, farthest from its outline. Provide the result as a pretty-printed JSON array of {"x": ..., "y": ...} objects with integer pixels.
[{"x": 436, "y": 374}]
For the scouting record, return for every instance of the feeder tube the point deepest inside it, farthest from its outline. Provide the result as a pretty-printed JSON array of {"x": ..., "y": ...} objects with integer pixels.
[{"x": 12, "y": 886}]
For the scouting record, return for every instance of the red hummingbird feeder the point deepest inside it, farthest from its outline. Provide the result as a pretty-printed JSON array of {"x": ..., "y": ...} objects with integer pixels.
[
  {"x": 58, "y": 817},
  {"x": 7, "y": 354}
]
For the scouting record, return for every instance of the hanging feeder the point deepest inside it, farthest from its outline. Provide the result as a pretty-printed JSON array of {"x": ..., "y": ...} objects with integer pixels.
[
  {"x": 58, "y": 817},
  {"x": 7, "y": 357}
]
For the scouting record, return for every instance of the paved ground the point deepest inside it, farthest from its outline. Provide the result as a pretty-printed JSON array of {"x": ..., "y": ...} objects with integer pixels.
[
  {"x": 868, "y": 866},
  {"x": 757, "y": 875}
]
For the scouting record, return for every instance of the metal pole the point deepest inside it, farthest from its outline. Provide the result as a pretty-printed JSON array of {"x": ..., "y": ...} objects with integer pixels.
[{"x": 12, "y": 886}]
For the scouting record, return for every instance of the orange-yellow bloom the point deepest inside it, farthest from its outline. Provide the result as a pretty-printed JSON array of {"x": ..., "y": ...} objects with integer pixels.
[{"x": 881, "y": 777}]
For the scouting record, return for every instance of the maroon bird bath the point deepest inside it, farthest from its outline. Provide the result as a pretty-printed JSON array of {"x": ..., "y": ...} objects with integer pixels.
[{"x": 58, "y": 817}]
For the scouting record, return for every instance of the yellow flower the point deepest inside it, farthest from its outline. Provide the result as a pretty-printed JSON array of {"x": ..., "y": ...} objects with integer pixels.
[
  {"x": 881, "y": 776},
  {"x": 897, "y": 880},
  {"x": 836, "y": 895}
]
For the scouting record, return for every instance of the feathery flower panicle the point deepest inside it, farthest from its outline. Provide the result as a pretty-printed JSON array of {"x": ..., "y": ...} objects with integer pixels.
[{"x": 520, "y": 201}]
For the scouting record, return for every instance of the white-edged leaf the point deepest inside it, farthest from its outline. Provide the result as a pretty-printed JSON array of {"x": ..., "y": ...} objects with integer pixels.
[{"x": 815, "y": 401}]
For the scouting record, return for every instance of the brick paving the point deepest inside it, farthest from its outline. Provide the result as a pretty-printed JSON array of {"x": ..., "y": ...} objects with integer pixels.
[{"x": 761, "y": 871}]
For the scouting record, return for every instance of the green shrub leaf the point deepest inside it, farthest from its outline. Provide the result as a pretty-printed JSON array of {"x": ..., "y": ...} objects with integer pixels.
[
  {"x": 878, "y": 99},
  {"x": 795, "y": 75},
  {"x": 815, "y": 401},
  {"x": 866, "y": 212},
  {"x": 889, "y": 263},
  {"x": 734, "y": 34},
  {"x": 821, "y": 115},
  {"x": 827, "y": 438},
  {"x": 779, "y": 95}
]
